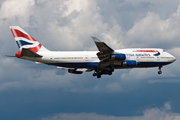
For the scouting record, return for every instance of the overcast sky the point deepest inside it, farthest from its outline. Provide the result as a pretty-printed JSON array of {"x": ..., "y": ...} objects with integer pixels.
[{"x": 41, "y": 92}]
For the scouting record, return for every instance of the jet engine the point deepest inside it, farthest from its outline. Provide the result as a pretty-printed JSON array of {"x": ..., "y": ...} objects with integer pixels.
[
  {"x": 106, "y": 71},
  {"x": 130, "y": 63},
  {"x": 119, "y": 56}
]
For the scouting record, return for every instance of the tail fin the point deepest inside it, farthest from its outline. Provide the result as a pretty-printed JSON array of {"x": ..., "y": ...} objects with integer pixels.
[{"x": 24, "y": 40}]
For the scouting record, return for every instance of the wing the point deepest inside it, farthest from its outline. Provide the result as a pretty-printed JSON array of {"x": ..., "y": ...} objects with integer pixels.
[
  {"x": 104, "y": 54},
  {"x": 104, "y": 50},
  {"x": 102, "y": 46}
]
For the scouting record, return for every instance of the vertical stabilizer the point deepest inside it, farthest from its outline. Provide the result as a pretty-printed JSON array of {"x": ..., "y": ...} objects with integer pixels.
[{"x": 24, "y": 40}]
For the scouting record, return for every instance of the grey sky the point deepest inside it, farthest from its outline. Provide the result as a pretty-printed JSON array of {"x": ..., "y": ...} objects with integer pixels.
[{"x": 30, "y": 91}]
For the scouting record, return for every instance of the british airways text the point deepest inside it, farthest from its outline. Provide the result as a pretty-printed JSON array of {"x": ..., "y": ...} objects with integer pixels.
[{"x": 131, "y": 55}]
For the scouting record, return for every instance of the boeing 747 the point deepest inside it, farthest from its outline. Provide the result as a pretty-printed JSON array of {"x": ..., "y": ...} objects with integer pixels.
[{"x": 104, "y": 61}]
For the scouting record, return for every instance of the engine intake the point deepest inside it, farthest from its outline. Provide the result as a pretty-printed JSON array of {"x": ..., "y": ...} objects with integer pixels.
[{"x": 118, "y": 57}]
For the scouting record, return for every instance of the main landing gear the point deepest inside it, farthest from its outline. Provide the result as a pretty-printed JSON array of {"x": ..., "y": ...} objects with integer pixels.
[
  {"x": 99, "y": 73},
  {"x": 160, "y": 72}
]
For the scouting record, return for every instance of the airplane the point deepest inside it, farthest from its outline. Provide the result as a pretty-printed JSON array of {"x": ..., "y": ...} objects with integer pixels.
[{"x": 102, "y": 62}]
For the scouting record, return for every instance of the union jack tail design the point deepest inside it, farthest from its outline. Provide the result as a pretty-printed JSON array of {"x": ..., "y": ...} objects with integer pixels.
[{"x": 24, "y": 40}]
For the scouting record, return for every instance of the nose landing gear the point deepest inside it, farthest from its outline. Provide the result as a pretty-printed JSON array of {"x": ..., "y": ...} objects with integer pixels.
[{"x": 160, "y": 72}]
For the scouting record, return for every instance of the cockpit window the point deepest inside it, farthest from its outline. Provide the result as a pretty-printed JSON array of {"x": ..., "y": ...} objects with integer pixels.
[{"x": 164, "y": 50}]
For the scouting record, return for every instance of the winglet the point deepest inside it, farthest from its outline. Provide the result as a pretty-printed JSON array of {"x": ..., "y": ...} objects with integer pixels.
[{"x": 95, "y": 39}]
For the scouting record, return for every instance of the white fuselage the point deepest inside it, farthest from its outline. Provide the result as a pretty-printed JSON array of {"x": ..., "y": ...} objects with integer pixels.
[{"x": 89, "y": 59}]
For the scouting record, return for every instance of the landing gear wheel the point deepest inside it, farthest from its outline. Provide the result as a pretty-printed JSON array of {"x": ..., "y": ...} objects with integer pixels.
[
  {"x": 110, "y": 73},
  {"x": 94, "y": 74},
  {"x": 159, "y": 72},
  {"x": 98, "y": 75}
]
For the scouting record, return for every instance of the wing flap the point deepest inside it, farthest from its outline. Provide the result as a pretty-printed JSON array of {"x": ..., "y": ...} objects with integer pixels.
[{"x": 76, "y": 69}]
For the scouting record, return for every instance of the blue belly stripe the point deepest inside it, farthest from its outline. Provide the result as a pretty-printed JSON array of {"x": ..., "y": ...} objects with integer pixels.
[
  {"x": 152, "y": 64},
  {"x": 94, "y": 65}
]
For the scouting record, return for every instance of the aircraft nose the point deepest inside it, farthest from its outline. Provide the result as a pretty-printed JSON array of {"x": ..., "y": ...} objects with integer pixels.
[{"x": 172, "y": 59}]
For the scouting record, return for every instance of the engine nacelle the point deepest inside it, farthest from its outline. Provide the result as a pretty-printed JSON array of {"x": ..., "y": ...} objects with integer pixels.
[
  {"x": 106, "y": 71},
  {"x": 119, "y": 56},
  {"x": 74, "y": 71},
  {"x": 130, "y": 63}
]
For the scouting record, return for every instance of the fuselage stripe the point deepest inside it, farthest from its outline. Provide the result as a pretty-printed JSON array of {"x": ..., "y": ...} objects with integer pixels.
[{"x": 147, "y": 51}]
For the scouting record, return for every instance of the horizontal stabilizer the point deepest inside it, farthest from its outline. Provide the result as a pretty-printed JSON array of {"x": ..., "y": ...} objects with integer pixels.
[{"x": 29, "y": 53}]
